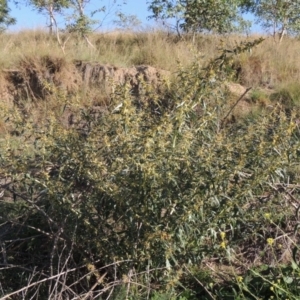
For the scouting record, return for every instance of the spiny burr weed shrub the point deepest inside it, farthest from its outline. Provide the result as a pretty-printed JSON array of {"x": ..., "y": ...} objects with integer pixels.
[{"x": 129, "y": 198}]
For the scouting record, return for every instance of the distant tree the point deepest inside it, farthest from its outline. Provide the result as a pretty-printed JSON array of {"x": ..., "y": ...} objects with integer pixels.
[
  {"x": 126, "y": 22},
  {"x": 219, "y": 16},
  {"x": 82, "y": 22},
  {"x": 167, "y": 9},
  {"x": 279, "y": 16},
  {"x": 50, "y": 8},
  {"x": 79, "y": 21},
  {"x": 5, "y": 19},
  {"x": 76, "y": 18}
]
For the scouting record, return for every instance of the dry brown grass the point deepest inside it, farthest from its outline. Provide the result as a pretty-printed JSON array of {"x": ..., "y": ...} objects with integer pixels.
[
  {"x": 269, "y": 67},
  {"x": 268, "y": 64},
  {"x": 122, "y": 49},
  {"x": 271, "y": 64}
]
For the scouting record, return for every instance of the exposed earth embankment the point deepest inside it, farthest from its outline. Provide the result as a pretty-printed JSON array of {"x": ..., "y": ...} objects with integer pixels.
[{"x": 36, "y": 79}]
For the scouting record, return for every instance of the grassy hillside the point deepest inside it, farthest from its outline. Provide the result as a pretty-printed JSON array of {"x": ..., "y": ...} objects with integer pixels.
[
  {"x": 278, "y": 63},
  {"x": 270, "y": 66},
  {"x": 173, "y": 180}
]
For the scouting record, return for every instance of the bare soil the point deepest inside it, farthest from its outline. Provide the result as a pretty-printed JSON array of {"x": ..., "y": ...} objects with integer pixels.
[{"x": 36, "y": 79}]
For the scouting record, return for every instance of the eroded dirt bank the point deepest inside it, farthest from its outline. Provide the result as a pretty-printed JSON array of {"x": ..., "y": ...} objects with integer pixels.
[
  {"x": 43, "y": 78},
  {"x": 36, "y": 79}
]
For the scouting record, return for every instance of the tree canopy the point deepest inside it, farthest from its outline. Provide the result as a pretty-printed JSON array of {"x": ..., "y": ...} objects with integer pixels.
[
  {"x": 219, "y": 16},
  {"x": 50, "y": 7},
  {"x": 279, "y": 16},
  {"x": 5, "y": 18}
]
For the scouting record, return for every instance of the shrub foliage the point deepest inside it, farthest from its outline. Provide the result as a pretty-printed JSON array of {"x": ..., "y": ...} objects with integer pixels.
[{"x": 150, "y": 195}]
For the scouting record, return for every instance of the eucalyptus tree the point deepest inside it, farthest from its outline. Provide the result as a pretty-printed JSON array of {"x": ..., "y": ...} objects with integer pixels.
[
  {"x": 126, "y": 21},
  {"x": 82, "y": 21},
  {"x": 5, "y": 18},
  {"x": 74, "y": 14},
  {"x": 279, "y": 16},
  {"x": 50, "y": 8},
  {"x": 220, "y": 16},
  {"x": 79, "y": 21}
]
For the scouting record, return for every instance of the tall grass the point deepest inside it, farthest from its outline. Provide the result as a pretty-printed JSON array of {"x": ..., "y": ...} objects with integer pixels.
[{"x": 267, "y": 65}]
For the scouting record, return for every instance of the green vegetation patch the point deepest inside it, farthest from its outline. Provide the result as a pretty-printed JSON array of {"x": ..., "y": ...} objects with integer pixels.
[{"x": 156, "y": 197}]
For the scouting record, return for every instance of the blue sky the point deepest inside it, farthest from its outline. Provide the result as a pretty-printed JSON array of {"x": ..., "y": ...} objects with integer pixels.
[{"x": 27, "y": 17}]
